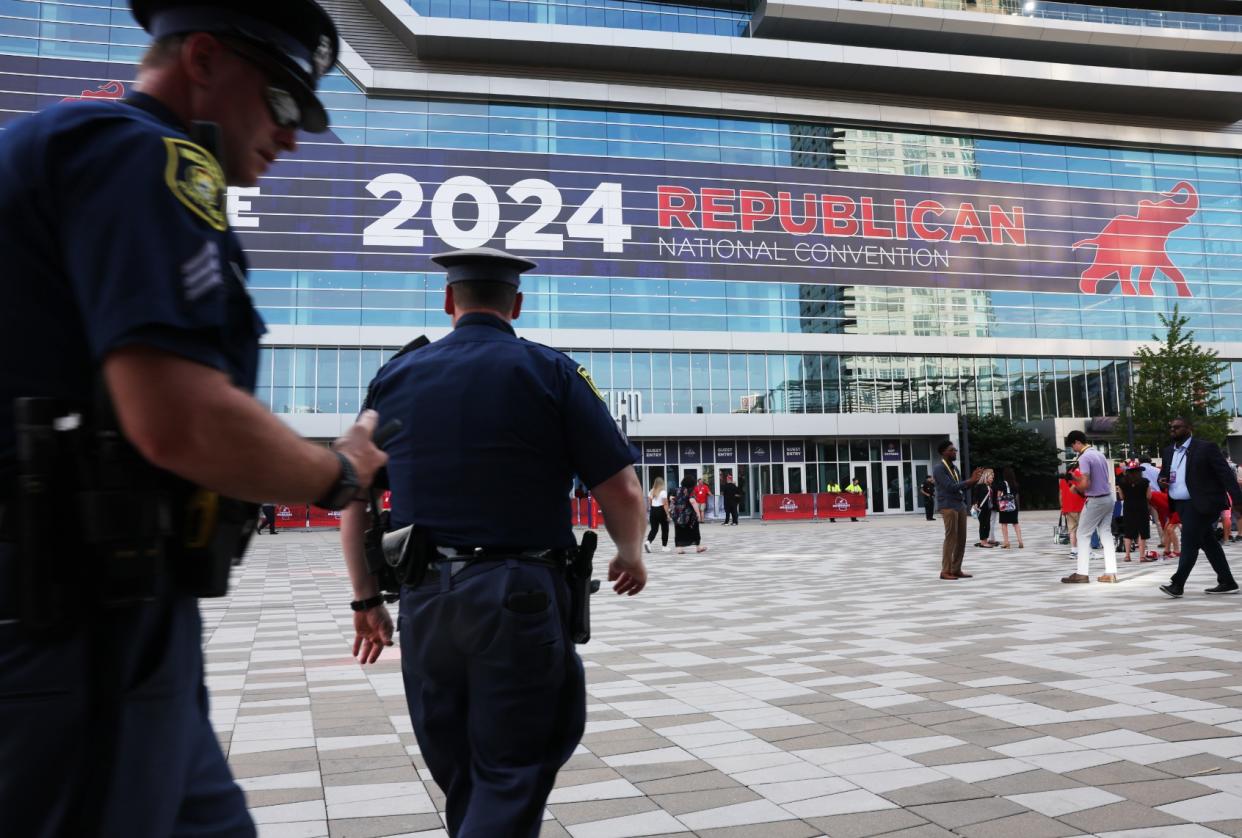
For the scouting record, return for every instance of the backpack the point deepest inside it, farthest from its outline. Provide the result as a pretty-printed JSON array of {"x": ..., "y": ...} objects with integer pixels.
[{"x": 683, "y": 513}]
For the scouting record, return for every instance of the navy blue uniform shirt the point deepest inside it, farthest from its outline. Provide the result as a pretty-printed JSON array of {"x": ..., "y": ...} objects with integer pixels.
[
  {"x": 493, "y": 430},
  {"x": 114, "y": 233}
]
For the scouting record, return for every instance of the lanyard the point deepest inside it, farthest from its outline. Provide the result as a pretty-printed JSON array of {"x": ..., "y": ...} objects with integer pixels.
[
  {"x": 952, "y": 471},
  {"x": 1176, "y": 461}
]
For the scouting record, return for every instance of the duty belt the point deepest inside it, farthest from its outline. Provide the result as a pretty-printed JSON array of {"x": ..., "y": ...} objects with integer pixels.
[{"x": 459, "y": 558}]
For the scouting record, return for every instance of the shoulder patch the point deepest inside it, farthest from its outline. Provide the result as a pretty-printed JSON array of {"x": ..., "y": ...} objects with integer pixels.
[
  {"x": 196, "y": 180},
  {"x": 586, "y": 376}
]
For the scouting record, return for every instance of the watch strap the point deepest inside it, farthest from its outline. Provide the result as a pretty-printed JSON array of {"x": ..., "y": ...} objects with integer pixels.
[
  {"x": 367, "y": 604},
  {"x": 344, "y": 490}
]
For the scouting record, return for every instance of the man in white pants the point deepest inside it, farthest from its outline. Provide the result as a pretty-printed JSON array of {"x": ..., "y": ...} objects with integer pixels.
[{"x": 1097, "y": 515}]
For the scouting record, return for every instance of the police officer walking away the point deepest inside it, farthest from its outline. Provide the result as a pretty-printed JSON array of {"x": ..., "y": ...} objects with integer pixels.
[
  {"x": 131, "y": 347},
  {"x": 495, "y": 689}
]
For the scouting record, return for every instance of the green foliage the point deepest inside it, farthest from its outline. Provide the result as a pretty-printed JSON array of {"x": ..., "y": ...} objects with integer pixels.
[
  {"x": 996, "y": 442},
  {"x": 1177, "y": 378}
]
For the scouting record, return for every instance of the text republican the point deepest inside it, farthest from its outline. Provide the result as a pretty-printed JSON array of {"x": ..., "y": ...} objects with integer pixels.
[{"x": 754, "y": 210}]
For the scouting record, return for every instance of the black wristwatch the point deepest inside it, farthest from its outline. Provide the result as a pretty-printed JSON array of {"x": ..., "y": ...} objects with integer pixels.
[
  {"x": 341, "y": 493},
  {"x": 367, "y": 604}
]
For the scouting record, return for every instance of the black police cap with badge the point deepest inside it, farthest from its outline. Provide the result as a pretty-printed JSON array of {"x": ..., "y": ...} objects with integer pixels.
[{"x": 295, "y": 41}]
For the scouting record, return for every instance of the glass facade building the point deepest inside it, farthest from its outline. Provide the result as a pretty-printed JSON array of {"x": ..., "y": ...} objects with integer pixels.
[{"x": 981, "y": 313}]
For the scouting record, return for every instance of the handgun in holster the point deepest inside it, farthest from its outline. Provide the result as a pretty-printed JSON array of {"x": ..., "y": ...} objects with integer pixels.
[
  {"x": 132, "y": 530},
  {"x": 396, "y": 557},
  {"x": 581, "y": 586}
]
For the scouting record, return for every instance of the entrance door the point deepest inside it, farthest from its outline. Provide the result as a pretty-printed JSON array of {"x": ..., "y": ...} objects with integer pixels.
[
  {"x": 894, "y": 488},
  {"x": 794, "y": 484},
  {"x": 860, "y": 471}
]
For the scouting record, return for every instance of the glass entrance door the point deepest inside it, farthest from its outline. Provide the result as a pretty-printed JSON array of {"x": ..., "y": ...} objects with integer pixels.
[
  {"x": 794, "y": 483},
  {"x": 860, "y": 472},
  {"x": 893, "y": 488}
]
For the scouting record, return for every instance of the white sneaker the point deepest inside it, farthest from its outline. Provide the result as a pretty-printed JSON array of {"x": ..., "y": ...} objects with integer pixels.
[
  {"x": 647, "y": 546},
  {"x": 664, "y": 549}
]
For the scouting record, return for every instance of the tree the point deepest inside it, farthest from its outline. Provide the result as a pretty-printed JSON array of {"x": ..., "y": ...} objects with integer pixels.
[
  {"x": 996, "y": 442},
  {"x": 1177, "y": 378}
]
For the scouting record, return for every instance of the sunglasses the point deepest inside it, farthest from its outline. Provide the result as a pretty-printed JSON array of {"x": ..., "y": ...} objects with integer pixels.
[{"x": 286, "y": 112}]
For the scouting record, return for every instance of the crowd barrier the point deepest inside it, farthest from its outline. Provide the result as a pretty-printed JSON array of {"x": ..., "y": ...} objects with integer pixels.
[
  {"x": 818, "y": 505},
  {"x": 301, "y": 516}
]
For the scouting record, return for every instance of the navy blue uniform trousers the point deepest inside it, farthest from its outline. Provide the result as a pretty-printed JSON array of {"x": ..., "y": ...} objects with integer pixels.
[
  {"x": 1198, "y": 532},
  {"x": 496, "y": 692},
  {"x": 145, "y": 765}
]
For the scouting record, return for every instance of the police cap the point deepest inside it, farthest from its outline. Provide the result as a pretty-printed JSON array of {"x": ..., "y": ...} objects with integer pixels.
[
  {"x": 483, "y": 264},
  {"x": 294, "y": 40}
]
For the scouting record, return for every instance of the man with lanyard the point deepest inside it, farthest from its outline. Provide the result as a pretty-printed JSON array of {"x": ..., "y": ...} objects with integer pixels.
[
  {"x": 495, "y": 690},
  {"x": 1097, "y": 512},
  {"x": 1200, "y": 484},
  {"x": 126, "y": 306},
  {"x": 951, "y": 501}
]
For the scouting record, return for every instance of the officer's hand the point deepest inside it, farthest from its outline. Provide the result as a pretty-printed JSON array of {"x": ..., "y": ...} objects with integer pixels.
[
  {"x": 630, "y": 576},
  {"x": 372, "y": 632},
  {"x": 356, "y": 444}
]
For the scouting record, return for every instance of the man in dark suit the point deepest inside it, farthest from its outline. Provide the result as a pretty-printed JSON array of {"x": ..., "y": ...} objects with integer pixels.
[{"x": 1199, "y": 483}]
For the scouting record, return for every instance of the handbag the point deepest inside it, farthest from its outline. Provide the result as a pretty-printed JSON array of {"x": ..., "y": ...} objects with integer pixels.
[{"x": 1060, "y": 533}]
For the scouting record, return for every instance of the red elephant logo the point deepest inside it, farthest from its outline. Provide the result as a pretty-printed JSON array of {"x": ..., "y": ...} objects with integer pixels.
[
  {"x": 1140, "y": 241},
  {"x": 107, "y": 90}
]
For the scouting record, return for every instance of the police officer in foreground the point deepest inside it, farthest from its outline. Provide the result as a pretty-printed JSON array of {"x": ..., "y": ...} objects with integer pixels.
[
  {"x": 130, "y": 348},
  {"x": 495, "y": 689}
]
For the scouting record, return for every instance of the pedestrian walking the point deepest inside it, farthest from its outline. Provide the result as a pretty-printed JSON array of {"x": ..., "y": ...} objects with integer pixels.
[
  {"x": 732, "y": 499},
  {"x": 951, "y": 492},
  {"x": 126, "y": 305},
  {"x": 686, "y": 519},
  {"x": 928, "y": 493},
  {"x": 657, "y": 514},
  {"x": 1007, "y": 502},
  {"x": 1135, "y": 510},
  {"x": 702, "y": 492},
  {"x": 983, "y": 499},
  {"x": 1072, "y": 503},
  {"x": 269, "y": 518},
  {"x": 1198, "y": 479},
  {"x": 1097, "y": 514},
  {"x": 494, "y": 687}
]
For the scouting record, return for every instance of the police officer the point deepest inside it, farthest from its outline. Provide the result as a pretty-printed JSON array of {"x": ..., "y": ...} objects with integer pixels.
[
  {"x": 123, "y": 277},
  {"x": 495, "y": 689}
]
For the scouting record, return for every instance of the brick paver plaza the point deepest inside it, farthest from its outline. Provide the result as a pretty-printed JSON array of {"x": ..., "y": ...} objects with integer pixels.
[{"x": 795, "y": 680}]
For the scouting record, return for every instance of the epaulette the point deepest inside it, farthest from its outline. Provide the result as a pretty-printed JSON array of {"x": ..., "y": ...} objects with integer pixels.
[{"x": 418, "y": 343}]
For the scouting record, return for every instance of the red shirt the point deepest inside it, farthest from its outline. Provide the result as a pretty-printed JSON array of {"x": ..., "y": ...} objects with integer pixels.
[
  {"x": 701, "y": 493},
  {"x": 1160, "y": 502},
  {"x": 1071, "y": 501}
]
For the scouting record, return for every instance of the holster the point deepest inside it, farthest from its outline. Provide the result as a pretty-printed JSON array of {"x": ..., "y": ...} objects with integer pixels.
[
  {"x": 398, "y": 557},
  {"x": 578, "y": 575},
  {"x": 94, "y": 516}
]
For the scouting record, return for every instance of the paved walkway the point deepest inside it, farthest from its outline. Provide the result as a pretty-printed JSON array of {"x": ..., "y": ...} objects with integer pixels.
[{"x": 795, "y": 680}]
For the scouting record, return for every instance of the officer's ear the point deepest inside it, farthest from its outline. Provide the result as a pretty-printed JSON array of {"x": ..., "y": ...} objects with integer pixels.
[
  {"x": 517, "y": 307},
  {"x": 450, "y": 305},
  {"x": 200, "y": 53}
]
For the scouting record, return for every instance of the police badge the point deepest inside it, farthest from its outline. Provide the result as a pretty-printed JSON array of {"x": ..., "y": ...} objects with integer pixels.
[{"x": 197, "y": 181}]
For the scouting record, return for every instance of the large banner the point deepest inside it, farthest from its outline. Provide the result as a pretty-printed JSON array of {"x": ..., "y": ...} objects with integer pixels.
[
  {"x": 333, "y": 206},
  {"x": 840, "y": 505},
  {"x": 790, "y": 507}
]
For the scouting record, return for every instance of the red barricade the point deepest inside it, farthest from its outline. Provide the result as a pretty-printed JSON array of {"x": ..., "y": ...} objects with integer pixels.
[
  {"x": 320, "y": 517},
  {"x": 840, "y": 505},
  {"x": 291, "y": 516},
  {"x": 585, "y": 512},
  {"x": 789, "y": 507}
]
